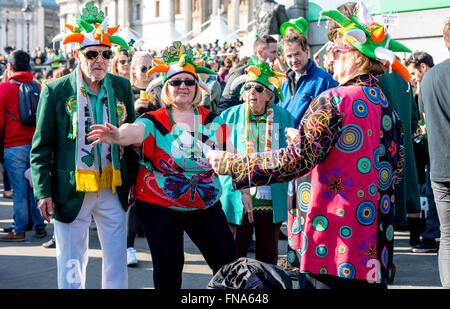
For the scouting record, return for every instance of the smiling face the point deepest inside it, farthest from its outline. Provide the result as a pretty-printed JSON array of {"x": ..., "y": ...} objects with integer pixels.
[
  {"x": 296, "y": 57},
  {"x": 256, "y": 100},
  {"x": 93, "y": 69},
  {"x": 182, "y": 95}
]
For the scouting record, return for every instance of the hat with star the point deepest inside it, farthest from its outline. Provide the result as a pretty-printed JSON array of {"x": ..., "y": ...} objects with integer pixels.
[
  {"x": 91, "y": 29},
  {"x": 179, "y": 59}
]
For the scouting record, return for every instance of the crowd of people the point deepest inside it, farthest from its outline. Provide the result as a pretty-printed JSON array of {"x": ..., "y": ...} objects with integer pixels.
[{"x": 196, "y": 139}]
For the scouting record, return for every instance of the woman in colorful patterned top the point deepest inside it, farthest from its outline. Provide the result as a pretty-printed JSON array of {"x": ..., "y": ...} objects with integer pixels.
[
  {"x": 349, "y": 150},
  {"x": 257, "y": 125},
  {"x": 177, "y": 191}
]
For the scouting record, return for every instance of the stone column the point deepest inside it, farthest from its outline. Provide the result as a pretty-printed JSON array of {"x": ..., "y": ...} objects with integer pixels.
[
  {"x": 215, "y": 7},
  {"x": 188, "y": 18},
  {"x": 172, "y": 13},
  {"x": 234, "y": 15}
]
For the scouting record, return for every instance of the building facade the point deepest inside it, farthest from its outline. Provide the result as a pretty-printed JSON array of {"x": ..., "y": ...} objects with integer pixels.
[{"x": 28, "y": 31}]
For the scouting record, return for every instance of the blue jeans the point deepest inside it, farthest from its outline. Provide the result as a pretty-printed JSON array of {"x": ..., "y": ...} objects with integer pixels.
[
  {"x": 431, "y": 219},
  {"x": 441, "y": 192},
  {"x": 17, "y": 161}
]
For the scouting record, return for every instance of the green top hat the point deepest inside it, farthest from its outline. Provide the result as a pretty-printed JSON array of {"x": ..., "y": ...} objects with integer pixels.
[{"x": 300, "y": 24}]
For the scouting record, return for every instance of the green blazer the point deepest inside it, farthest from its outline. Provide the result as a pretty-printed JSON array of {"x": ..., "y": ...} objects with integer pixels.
[
  {"x": 53, "y": 153},
  {"x": 231, "y": 199}
]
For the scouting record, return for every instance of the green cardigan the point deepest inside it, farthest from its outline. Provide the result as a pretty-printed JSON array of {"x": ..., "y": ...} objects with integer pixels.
[
  {"x": 231, "y": 200},
  {"x": 53, "y": 153}
]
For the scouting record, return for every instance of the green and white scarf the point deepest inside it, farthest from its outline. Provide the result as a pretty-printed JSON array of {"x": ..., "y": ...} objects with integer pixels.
[{"x": 92, "y": 175}]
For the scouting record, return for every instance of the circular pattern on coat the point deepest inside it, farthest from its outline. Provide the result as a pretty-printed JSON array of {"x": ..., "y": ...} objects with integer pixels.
[
  {"x": 290, "y": 256},
  {"x": 296, "y": 227},
  {"x": 373, "y": 189},
  {"x": 336, "y": 100},
  {"x": 345, "y": 232},
  {"x": 364, "y": 165},
  {"x": 304, "y": 196},
  {"x": 377, "y": 154},
  {"x": 340, "y": 212},
  {"x": 303, "y": 243},
  {"x": 320, "y": 223},
  {"x": 346, "y": 270},
  {"x": 384, "y": 257},
  {"x": 321, "y": 250},
  {"x": 387, "y": 122},
  {"x": 360, "y": 109},
  {"x": 323, "y": 271},
  {"x": 385, "y": 204},
  {"x": 390, "y": 232},
  {"x": 365, "y": 213},
  {"x": 360, "y": 193},
  {"x": 342, "y": 249},
  {"x": 291, "y": 188},
  {"x": 372, "y": 94},
  {"x": 384, "y": 175},
  {"x": 351, "y": 139}
]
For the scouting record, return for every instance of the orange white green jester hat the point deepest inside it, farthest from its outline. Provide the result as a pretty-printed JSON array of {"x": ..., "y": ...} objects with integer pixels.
[
  {"x": 260, "y": 71},
  {"x": 370, "y": 38},
  {"x": 92, "y": 29},
  {"x": 179, "y": 59}
]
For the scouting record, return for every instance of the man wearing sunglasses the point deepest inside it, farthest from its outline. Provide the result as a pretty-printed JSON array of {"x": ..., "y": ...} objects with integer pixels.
[{"x": 74, "y": 181}]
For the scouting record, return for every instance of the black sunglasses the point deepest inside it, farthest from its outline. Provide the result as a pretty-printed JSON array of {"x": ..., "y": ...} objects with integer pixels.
[
  {"x": 123, "y": 62},
  {"x": 178, "y": 82},
  {"x": 93, "y": 54},
  {"x": 144, "y": 69},
  {"x": 259, "y": 88}
]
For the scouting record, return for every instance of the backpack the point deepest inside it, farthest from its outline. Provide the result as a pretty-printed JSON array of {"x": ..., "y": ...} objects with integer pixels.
[{"x": 28, "y": 101}]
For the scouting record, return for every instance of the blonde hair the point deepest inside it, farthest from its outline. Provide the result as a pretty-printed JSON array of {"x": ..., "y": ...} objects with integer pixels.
[
  {"x": 115, "y": 61},
  {"x": 167, "y": 101},
  {"x": 137, "y": 55}
]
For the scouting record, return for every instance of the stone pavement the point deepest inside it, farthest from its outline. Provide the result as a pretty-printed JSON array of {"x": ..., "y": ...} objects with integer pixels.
[{"x": 28, "y": 265}]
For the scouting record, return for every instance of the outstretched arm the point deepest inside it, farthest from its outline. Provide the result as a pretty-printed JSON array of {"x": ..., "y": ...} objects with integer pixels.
[{"x": 127, "y": 134}]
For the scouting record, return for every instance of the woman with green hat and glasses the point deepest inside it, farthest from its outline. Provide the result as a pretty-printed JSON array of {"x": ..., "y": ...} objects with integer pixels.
[
  {"x": 176, "y": 189},
  {"x": 346, "y": 159},
  {"x": 257, "y": 125}
]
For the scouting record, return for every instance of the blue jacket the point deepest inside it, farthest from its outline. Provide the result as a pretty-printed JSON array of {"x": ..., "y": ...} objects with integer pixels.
[
  {"x": 297, "y": 97},
  {"x": 231, "y": 199}
]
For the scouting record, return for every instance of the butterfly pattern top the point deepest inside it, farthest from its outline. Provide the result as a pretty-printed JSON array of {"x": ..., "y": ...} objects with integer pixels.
[{"x": 170, "y": 176}]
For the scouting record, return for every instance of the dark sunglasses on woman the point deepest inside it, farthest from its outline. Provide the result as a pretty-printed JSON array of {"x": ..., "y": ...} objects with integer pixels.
[
  {"x": 178, "y": 82},
  {"x": 93, "y": 54},
  {"x": 258, "y": 88},
  {"x": 144, "y": 69},
  {"x": 123, "y": 62}
]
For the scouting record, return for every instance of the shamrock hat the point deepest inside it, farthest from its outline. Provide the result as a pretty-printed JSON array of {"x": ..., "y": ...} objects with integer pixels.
[
  {"x": 370, "y": 38},
  {"x": 179, "y": 59},
  {"x": 260, "y": 71},
  {"x": 300, "y": 24},
  {"x": 91, "y": 29}
]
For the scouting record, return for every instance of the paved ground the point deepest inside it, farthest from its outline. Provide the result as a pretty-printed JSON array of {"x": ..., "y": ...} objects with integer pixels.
[{"x": 28, "y": 265}]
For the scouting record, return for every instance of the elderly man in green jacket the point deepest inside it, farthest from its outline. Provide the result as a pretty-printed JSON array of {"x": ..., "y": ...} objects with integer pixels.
[{"x": 72, "y": 180}]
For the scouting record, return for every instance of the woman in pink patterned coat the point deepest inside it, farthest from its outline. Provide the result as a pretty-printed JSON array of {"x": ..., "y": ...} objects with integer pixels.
[{"x": 346, "y": 157}]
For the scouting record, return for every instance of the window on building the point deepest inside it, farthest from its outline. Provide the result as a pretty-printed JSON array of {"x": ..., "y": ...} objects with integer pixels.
[
  {"x": 138, "y": 11},
  {"x": 157, "y": 8},
  {"x": 177, "y": 7}
]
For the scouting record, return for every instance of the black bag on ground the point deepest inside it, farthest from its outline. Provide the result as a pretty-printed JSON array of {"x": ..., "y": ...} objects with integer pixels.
[
  {"x": 28, "y": 101},
  {"x": 247, "y": 274}
]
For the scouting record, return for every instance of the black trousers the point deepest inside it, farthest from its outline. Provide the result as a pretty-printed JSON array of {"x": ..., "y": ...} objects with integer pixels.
[{"x": 164, "y": 229}]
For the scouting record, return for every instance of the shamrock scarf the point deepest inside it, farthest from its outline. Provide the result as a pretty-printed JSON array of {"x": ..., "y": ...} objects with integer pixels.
[
  {"x": 262, "y": 192},
  {"x": 97, "y": 168}
]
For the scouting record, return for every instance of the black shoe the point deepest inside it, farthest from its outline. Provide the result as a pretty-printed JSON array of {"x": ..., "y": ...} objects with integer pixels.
[
  {"x": 426, "y": 246},
  {"x": 416, "y": 227},
  {"x": 282, "y": 236},
  {"x": 50, "y": 244},
  {"x": 7, "y": 229}
]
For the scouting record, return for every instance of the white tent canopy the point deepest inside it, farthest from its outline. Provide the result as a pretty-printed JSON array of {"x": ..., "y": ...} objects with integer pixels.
[
  {"x": 218, "y": 29},
  {"x": 247, "y": 49},
  {"x": 162, "y": 37}
]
